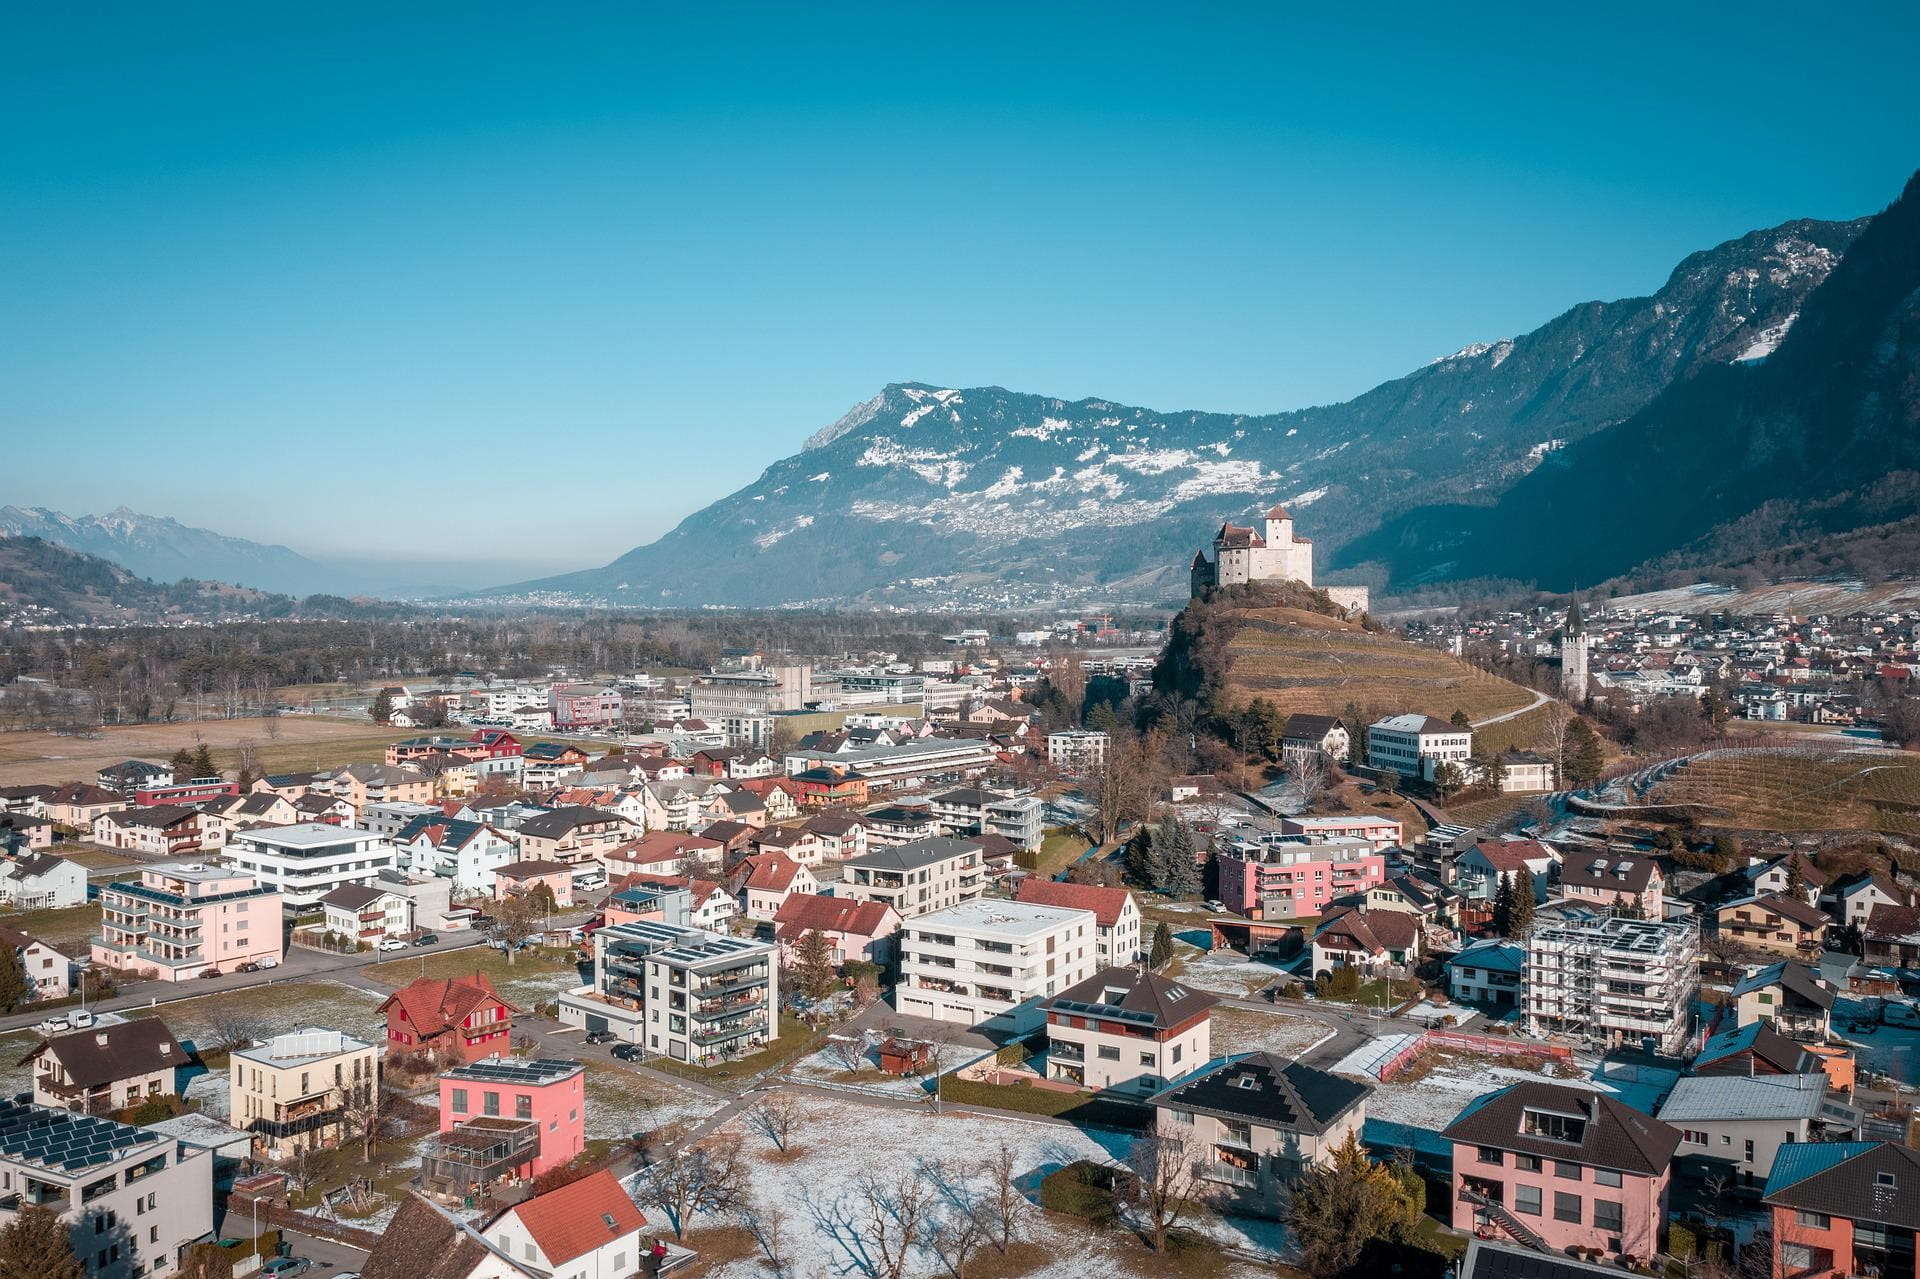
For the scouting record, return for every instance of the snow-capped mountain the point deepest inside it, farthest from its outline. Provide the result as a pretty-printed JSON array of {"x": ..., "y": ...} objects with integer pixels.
[
  {"x": 928, "y": 494},
  {"x": 166, "y": 550}
]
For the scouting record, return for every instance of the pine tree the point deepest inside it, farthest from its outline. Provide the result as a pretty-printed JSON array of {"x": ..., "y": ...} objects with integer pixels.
[
  {"x": 35, "y": 1245},
  {"x": 1796, "y": 878},
  {"x": 1459, "y": 719},
  {"x": 203, "y": 765},
  {"x": 1162, "y": 953},
  {"x": 1520, "y": 913},
  {"x": 382, "y": 708},
  {"x": 182, "y": 764},
  {"x": 1587, "y": 757},
  {"x": 1503, "y": 906},
  {"x": 1144, "y": 861},
  {"x": 813, "y": 965},
  {"x": 1183, "y": 871},
  {"x": 1339, "y": 1207},
  {"x": 15, "y": 989}
]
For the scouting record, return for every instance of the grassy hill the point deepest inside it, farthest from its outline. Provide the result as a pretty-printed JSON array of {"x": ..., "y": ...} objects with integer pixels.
[{"x": 1799, "y": 789}]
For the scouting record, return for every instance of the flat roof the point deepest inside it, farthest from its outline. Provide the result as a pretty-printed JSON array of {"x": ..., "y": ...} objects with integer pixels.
[
  {"x": 299, "y": 1047},
  {"x": 307, "y": 835},
  {"x": 999, "y": 918},
  {"x": 515, "y": 1070},
  {"x": 62, "y": 1142}
]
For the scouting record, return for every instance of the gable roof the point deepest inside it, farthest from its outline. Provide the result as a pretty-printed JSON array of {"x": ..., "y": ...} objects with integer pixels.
[
  {"x": 421, "y": 1242},
  {"x": 1796, "y": 979},
  {"x": 1508, "y": 855},
  {"x": 772, "y": 872},
  {"x": 1268, "y": 1090},
  {"x": 354, "y": 896},
  {"x": 1894, "y": 924},
  {"x": 1604, "y": 871},
  {"x": 1860, "y": 1181},
  {"x": 1723, "y": 1097},
  {"x": 34, "y": 865},
  {"x": 561, "y": 821},
  {"x": 1780, "y": 904},
  {"x": 802, "y": 913},
  {"x": 434, "y": 1005},
  {"x": 1492, "y": 954},
  {"x": 102, "y": 1054},
  {"x": 1309, "y": 728},
  {"x": 1370, "y": 930},
  {"x": 1133, "y": 996},
  {"x": 1616, "y": 1136},
  {"x": 1105, "y": 903},
  {"x": 1763, "y": 1042},
  {"x": 578, "y": 1217}
]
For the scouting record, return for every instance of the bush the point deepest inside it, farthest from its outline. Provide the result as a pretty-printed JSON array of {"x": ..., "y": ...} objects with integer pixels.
[
  {"x": 1081, "y": 1189},
  {"x": 1338, "y": 983}
]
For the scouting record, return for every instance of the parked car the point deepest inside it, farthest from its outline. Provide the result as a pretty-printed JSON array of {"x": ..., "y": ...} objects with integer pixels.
[
  {"x": 424, "y": 939},
  {"x": 286, "y": 1267},
  {"x": 599, "y": 1036},
  {"x": 79, "y": 1019},
  {"x": 267, "y": 962},
  {"x": 248, "y": 967},
  {"x": 393, "y": 943},
  {"x": 627, "y": 1052},
  {"x": 209, "y": 972},
  {"x": 52, "y": 1026}
]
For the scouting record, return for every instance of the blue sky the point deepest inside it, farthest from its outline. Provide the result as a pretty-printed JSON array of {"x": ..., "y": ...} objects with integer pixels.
[{"x": 552, "y": 277}]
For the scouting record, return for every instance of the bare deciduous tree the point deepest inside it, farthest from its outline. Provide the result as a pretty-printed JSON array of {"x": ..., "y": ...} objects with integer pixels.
[
  {"x": 897, "y": 1222},
  {"x": 1166, "y": 1168},
  {"x": 849, "y": 1052},
  {"x": 365, "y": 1115},
  {"x": 766, "y": 1223},
  {"x": 775, "y": 1117},
  {"x": 1310, "y": 777},
  {"x": 1003, "y": 1207},
  {"x": 232, "y": 1026},
  {"x": 707, "y": 1177},
  {"x": 955, "y": 1238},
  {"x": 1557, "y": 733}
]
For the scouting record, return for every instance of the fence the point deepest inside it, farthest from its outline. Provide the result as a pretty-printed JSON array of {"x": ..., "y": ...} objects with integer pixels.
[{"x": 1466, "y": 1042}]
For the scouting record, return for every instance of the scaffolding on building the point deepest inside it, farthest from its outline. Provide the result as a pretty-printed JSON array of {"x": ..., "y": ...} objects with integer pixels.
[{"x": 1616, "y": 982}]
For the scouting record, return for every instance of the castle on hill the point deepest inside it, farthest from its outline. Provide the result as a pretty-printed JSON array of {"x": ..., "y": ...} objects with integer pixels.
[{"x": 1271, "y": 553}]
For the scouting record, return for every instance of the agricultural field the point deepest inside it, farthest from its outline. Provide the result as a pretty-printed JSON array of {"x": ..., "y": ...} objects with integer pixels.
[
  {"x": 1304, "y": 663},
  {"x": 1799, "y": 790},
  {"x": 286, "y": 744},
  {"x": 67, "y": 931}
]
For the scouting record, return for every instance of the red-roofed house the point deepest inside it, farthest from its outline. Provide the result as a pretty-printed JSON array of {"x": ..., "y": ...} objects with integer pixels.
[
  {"x": 1116, "y": 917},
  {"x": 588, "y": 1228},
  {"x": 662, "y": 853},
  {"x": 461, "y": 1017},
  {"x": 771, "y": 877},
  {"x": 857, "y": 930},
  {"x": 1369, "y": 940}
]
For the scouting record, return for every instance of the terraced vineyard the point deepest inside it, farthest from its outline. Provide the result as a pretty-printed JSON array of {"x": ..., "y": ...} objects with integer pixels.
[
  {"x": 1799, "y": 789},
  {"x": 1304, "y": 663}
]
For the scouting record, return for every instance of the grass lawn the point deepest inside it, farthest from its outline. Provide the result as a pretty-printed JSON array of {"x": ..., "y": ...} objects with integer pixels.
[
  {"x": 95, "y": 858},
  {"x": 534, "y": 976},
  {"x": 294, "y": 742},
  {"x": 1058, "y": 850},
  {"x": 796, "y": 1040},
  {"x": 65, "y": 930},
  {"x": 1076, "y": 1107},
  {"x": 274, "y": 1010}
]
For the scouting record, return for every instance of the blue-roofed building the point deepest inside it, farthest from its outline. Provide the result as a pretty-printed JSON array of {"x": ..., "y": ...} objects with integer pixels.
[
  {"x": 1487, "y": 972},
  {"x": 1844, "y": 1208}
]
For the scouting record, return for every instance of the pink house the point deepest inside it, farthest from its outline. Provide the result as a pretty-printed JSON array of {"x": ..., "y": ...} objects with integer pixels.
[
  {"x": 1296, "y": 880},
  {"x": 183, "y": 918},
  {"x": 1607, "y": 880},
  {"x": 856, "y": 930},
  {"x": 1554, "y": 1167},
  {"x": 516, "y": 878},
  {"x": 546, "y": 1094}
]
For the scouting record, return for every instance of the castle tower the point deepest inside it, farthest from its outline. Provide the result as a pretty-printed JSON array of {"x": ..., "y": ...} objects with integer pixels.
[{"x": 1573, "y": 656}]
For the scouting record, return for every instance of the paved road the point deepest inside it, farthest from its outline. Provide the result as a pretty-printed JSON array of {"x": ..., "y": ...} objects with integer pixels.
[{"x": 1539, "y": 699}]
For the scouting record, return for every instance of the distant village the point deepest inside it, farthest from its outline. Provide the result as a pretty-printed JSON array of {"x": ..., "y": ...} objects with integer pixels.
[{"x": 875, "y": 966}]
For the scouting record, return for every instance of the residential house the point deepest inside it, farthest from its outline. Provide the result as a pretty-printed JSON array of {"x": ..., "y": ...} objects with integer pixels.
[
  {"x": 1771, "y": 876},
  {"x": 984, "y": 961},
  {"x": 900, "y": 824},
  {"x": 1556, "y": 1167},
  {"x": 570, "y": 835},
  {"x": 1077, "y": 750},
  {"x": 77, "y": 805},
  {"x": 1754, "y": 1049},
  {"x": 1260, "y": 1121},
  {"x": 1418, "y": 745},
  {"x": 827, "y": 785},
  {"x": 134, "y": 775},
  {"x": 681, "y": 992},
  {"x": 109, "y": 1066},
  {"x": 516, "y": 878},
  {"x": 1477, "y": 871},
  {"x": 48, "y": 971},
  {"x": 918, "y": 877},
  {"x": 1736, "y": 1123},
  {"x": 586, "y": 1229},
  {"x": 156, "y": 1192},
  {"x": 293, "y": 1092},
  {"x": 796, "y": 843},
  {"x": 1382, "y": 832},
  {"x": 548, "y": 1093},
  {"x": 709, "y": 904},
  {"x": 1788, "y": 996},
  {"x": 1487, "y": 972},
  {"x": 22, "y": 832},
  {"x": 854, "y": 930},
  {"x": 166, "y": 830},
  {"x": 1376, "y": 942},
  {"x": 363, "y": 784},
  {"x": 1304, "y": 737},
  {"x": 178, "y": 920},
  {"x": 1850, "y": 899},
  {"x": 30, "y": 800},
  {"x": 1843, "y": 1208},
  {"x": 42, "y": 881},
  {"x": 369, "y": 914},
  {"x": 1525, "y": 772},
  {"x": 1892, "y": 936},
  {"x": 1774, "y": 921},
  {"x": 306, "y": 862},
  {"x": 1116, "y": 916},
  {"x": 1291, "y": 878},
  {"x": 842, "y": 834},
  {"x": 464, "y": 853},
  {"x": 459, "y": 1018},
  {"x": 1612, "y": 883},
  {"x": 1127, "y": 1029},
  {"x": 770, "y": 878}
]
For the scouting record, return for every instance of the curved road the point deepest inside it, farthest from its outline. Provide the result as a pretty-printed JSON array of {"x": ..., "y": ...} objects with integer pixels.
[{"x": 1539, "y": 699}]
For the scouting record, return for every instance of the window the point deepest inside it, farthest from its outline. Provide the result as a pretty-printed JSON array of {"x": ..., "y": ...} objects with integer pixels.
[
  {"x": 1109, "y": 1053},
  {"x": 1607, "y": 1215},
  {"x": 1146, "y": 1059},
  {"x": 1527, "y": 1199},
  {"x": 1566, "y": 1207},
  {"x": 490, "y": 1103},
  {"x": 1183, "y": 1116},
  {"x": 1566, "y": 1171},
  {"x": 1816, "y": 1220},
  {"x": 1178, "y": 1049},
  {"x": 459, "y": 1101},
  {"x": 523, "y": 1107},
  {"x": 1881, "y": 1180},
  {"x": 1749, "y": 1152},
  {"x": 1605, "y": 1177},
  {"x": 1491, "y": 1155},
  {"x": 1527, "y": 1163},
  {"x": 1800, "y": 1257}
]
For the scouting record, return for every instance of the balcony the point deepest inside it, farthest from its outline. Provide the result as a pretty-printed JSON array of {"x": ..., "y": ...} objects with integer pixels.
[
  {"x": 1065, "y": 1050},
  {"x": 732, "y": 1030},
  {"x": 278, "y": 1129},
  {"x": 709, "y": 1009},
  {"x": 732, "y": 980}
]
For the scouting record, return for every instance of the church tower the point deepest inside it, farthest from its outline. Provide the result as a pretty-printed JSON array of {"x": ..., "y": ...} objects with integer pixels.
[{"x": 1573, "y": 656}]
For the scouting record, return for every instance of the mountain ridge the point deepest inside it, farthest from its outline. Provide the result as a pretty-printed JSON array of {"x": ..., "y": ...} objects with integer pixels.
[
  {"x": 163, "y": 549},
  {"x": 992, "y": 498}
]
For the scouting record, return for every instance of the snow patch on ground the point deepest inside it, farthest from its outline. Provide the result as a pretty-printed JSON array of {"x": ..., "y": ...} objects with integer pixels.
[
  {"x": 1538, "y": 452},
  {"x": 1767, "y": 342},
  {"x": 771, "y": 536},
  {"x": 1226, "y": 972},
  {"x": 821, "y": 478},
  {"x": 1307, "y": 498},
  {"x": 1048, "y": 428},
  {"x": 1231, "y": 476},
  {"x": 1153, "y": 461},
  {"x": 930, "y": 465},
  {"x": 1434, "y": 1100},
  {"x": 1243, "y": 1030}
]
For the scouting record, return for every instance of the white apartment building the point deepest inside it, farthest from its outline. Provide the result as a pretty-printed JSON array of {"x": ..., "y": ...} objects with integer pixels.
[
  {"x": 1077, "y": 750},
  {"x": 680, "y": 992},
  {"x": 885, "y": 767},
  {"x": 1416, "y": 745},
  {"x": 1612, "y": 982},
  {"x": 133, "y": 1199},
  {"x": 1019, "y": 818},
  {"x": 988, "y": 960},
  {"x": 916, "y": 878},
  {"x": 306, "y": 862},
  {"x": 741, "y": 703}
]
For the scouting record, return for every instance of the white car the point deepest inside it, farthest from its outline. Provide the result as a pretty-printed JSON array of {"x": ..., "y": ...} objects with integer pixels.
[
  {"x": 52, "y": 1026},
  {"x": 392, "y": 943},
  {"x": 268, "y": 962}
]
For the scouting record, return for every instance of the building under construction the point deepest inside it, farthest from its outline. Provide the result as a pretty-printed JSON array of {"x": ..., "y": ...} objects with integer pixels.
[{"x": 1610, "y": 983}]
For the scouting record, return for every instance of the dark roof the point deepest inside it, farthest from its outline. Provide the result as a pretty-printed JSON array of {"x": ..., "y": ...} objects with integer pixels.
[
  {"x": 1268, "y": 1090},
  {"x": 1630, "y": 874},
  {"x": 353, "y": 896},
  {"x": 1492, "y": 1259},
  {"x": 1736, "y": 1052},
  {"x": 1791, "y": 908},
  {"x": 1857, "y": 1180},
  {"x": 1131, "y": 996},
  {"x": 561, "y": 820},
  {"x": 1796, "y": 979},
  {"x": 1309, "y": 728},
  {"x": 34, "y": 865},
  {"x": 1616, "y": 1136},
  {"x": 421, "y": 1242},
  {"x": 103, "y": 1054},
  {"x": 915, "y": 855}
]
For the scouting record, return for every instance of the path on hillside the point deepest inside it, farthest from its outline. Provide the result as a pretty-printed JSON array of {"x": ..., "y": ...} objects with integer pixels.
[{"x": 1539, "y": 699}]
